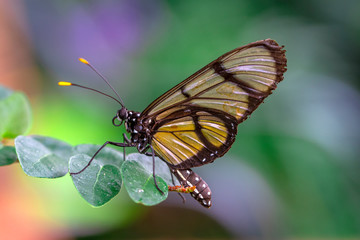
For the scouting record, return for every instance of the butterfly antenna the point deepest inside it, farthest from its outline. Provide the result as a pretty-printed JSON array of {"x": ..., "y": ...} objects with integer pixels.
[
  {"x": 103, "y": 78},
  {"x": 91, "y": 89}
]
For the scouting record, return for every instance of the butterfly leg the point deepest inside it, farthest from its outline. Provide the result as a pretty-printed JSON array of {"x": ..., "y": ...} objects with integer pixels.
[
  {"x": 126, "y": 140},
  {"x": 173, "y": 182},
  {"x": 171, "y": 174},
  {"x": 106, "y": 143},
  {"x": 153, "y": 159},
  {"x": 150, "y": 154},
  {"x": 188, "y": 178}
]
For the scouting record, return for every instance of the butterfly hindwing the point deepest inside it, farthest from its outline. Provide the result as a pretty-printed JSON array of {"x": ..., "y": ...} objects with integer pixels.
[
  {"x": 196, "y": 137},
  {"x": 196, "y": 121}
]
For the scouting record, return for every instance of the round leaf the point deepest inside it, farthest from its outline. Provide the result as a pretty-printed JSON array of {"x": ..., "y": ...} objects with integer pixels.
[
  {"x": 7, "y": 155},
  {"x": 43, "y": 156},
  {"x": 139, "y": 183},
  {"x": 101, "y": 180},
  {"x": 15, "y": 113},
  {"x": 107, "y": 155},
  {"x": 161, "y": 168}
]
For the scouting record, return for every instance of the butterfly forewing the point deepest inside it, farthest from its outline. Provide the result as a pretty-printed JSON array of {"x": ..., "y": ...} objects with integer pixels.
[{"x": 196, "y": 121}]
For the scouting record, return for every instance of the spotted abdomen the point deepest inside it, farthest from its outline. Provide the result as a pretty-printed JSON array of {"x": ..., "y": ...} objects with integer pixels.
[{"x": 188, "y": 178}]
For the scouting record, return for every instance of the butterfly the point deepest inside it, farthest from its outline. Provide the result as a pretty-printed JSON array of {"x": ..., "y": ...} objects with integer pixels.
[{"x": 196, "y": 121}]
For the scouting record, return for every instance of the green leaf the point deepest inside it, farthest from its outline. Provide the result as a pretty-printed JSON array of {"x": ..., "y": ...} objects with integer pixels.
[
  {"x": 161, "y": 168},
  {"x": 7, "y": 155},
  {"x": 139, "y": 182},
  {"x": 107, "y": 155},
  {"x": 15, "y": 113},
  {"x": 43, "y": 157},
  {"x": 101, "y": 180}
]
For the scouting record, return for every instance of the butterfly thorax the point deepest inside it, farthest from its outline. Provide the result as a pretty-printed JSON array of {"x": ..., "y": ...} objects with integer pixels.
[{"x": 138, "y": 129}]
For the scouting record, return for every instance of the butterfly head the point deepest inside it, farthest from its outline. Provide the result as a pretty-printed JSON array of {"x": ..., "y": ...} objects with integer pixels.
[
  {"x": 121, "y": 115},
  {"x": 130, "y": 118}
]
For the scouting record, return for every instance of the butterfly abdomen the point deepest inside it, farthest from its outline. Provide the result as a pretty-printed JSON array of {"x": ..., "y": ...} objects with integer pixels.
[{"x": 188, "y": 178}]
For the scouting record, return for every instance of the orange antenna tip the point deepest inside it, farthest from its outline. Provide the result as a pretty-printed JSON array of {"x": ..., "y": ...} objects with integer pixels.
[
  {"x": 83, "y": 61},
  {"x": 64, "y": 83}
]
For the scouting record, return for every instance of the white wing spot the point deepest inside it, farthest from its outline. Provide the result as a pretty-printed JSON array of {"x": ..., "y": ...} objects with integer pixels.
[
  {"x": 204, "y": 185},
  {"x": 201, "y": 196},
  {"x": 209, "y": 193},
  {"x": 204, "y": 160},
  {"x": 197, "y": 179}
]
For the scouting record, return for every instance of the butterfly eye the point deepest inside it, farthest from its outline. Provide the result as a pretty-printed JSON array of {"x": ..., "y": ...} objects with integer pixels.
[{"x": 122, "y": 113}]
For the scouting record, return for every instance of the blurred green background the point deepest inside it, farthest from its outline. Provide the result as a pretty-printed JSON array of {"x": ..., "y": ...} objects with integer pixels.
[{"x": 293, "y": 172}]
